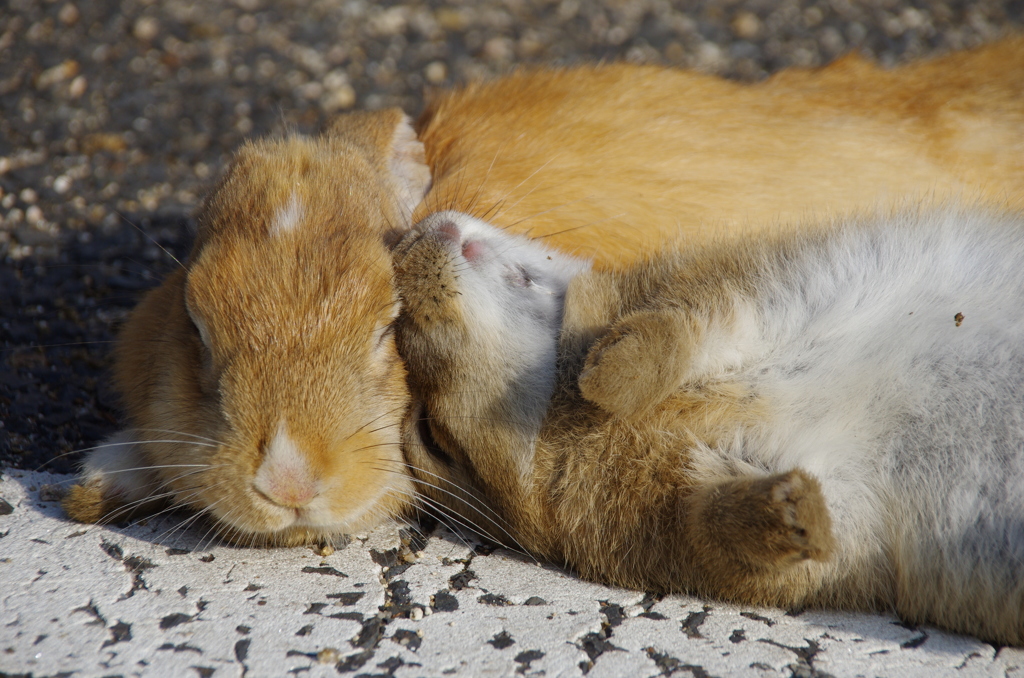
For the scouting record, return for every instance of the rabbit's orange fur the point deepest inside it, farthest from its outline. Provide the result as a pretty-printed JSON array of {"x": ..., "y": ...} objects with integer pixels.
[
  {"x": 607, "y": 161},
  {"x": 289, "y": 277}
]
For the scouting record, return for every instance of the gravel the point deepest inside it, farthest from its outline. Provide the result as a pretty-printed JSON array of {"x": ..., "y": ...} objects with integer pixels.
[{"x": 114, "y": 116}]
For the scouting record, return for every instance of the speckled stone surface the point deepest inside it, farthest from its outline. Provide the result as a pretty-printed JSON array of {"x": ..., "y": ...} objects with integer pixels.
[{"x": 159, "y": 599}]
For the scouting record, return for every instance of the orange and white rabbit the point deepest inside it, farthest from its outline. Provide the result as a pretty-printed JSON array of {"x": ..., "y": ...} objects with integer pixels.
[
  {"x": 609, "y": 161},
  {"x": 827, "y": 418}
]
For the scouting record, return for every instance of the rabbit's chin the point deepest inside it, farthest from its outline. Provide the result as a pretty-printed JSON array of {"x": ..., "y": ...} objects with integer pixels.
[
  {"x": 288, "y": 537},
  {"x": 262, "y": 523},
  {"x": 119, "y": 486}
]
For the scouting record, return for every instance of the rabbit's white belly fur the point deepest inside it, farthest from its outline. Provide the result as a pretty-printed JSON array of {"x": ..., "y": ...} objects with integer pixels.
[{"x": 909, "y": 414}]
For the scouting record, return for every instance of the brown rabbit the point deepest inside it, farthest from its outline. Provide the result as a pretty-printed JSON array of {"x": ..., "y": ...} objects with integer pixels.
[
  {"x": 608, "y": 161},
  {"x": 794, "y": 421},
  {"x": 602, "y": 160},
  {"x": 289, "y": 278}
]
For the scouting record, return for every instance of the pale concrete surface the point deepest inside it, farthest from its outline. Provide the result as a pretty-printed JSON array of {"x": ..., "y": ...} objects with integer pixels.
[{"x": 160, "y": 599}]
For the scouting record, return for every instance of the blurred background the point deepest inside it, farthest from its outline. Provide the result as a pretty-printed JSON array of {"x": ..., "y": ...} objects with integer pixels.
[{"x": 115, "y": 117}]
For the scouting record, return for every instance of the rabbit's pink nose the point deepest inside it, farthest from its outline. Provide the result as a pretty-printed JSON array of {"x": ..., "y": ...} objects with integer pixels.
[
  {"x": 284, "y": 477},
  {"x": 449, "y": 230},
  {"x": 285, "y": 487}
]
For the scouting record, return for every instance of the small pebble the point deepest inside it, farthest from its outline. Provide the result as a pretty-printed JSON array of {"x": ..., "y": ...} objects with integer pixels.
[
  {"x": 391, "y": 21},
  {"x": 339, "y": 99},
  {"x": 247, "y": 23},
  {"x": 146, "y": 28},
  {"x": 452, "y": 19},
  {"x": 51, "y": 76},
  {"x": 435, "y": 72},
  {"x": 311, "y": 90},
  {"x": 78, "y": 86},
  {"x": 710, "y": 56},
  {"x": 328, "y": 655},
  {"x": 813, "y": 16},
  {"x": 336, "y": 79},
  {"x": 499, "y": 49},
  {"x": 62, "y": 184},
  {"x": 68, "y": 14},
  {"x": 746, "y": 25},
  {"x": 912, "y": 18},
  {"x": 51, "y": 492}
]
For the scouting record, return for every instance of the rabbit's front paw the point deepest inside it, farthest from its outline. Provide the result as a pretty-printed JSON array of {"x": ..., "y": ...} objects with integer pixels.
[
  {"x": 777, "y": 521},
  {"x": 749, "y": 533},
  {"x": 799, "y": 527},
  {"x": 637, "y": 365}
]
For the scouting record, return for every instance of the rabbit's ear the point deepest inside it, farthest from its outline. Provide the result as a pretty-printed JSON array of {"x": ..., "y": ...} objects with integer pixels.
[
  {"x": 388, "y": 137},
  {"x": 409, "y": 168},
  {"x": 115, "y": 483}
]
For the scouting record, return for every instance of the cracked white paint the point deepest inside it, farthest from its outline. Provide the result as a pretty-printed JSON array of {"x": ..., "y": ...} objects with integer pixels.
[{"x": 69, "y": 602}]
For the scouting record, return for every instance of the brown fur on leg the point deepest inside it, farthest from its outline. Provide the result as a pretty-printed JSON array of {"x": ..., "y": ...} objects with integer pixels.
[
  {"x": 747, "y": 531},
  {"x": 86, "y": 503}
]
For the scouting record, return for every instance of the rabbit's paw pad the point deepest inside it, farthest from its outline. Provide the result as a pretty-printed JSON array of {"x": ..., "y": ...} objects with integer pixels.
[{"x": 800, "y": 526}]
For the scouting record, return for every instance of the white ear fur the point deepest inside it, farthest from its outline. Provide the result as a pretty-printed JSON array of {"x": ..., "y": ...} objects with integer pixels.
[
  {"x": 409, "y": 166},
  {"x": 204, "y": 336},
  {"x": 381, "y": 347}
]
